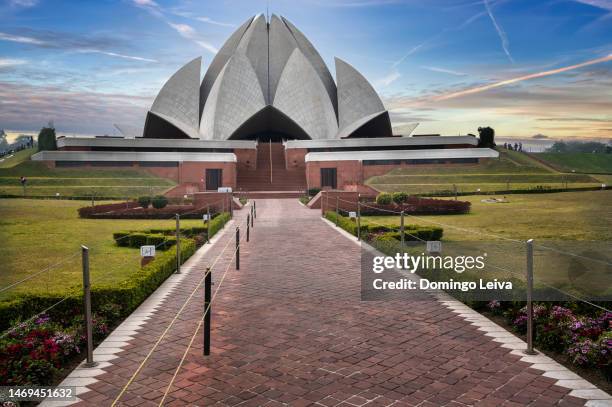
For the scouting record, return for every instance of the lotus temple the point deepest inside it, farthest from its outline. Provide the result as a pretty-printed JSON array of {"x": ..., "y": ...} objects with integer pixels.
[{"x": 267, "y": 116}]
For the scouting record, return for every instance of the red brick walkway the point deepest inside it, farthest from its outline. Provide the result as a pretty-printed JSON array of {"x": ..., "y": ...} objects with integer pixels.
[{"x": 289, "y": 329}]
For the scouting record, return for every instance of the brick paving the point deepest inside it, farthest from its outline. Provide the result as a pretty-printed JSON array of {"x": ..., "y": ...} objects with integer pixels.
[{"x": 289, "y": 329}]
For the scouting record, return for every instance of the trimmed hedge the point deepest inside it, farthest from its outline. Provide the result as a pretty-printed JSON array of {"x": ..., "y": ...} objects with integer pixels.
[
  {"x": 127, "y": 294},
  {"x": 383, "y": 233},
  {"x": 165, "y": 237}
]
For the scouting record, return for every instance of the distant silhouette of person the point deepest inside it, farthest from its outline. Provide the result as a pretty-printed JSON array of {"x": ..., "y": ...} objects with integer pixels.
[
  {"x": 506, "y": 146},
  {"x": 521, "y": 146},
  {"x": 515, "y": 146}
]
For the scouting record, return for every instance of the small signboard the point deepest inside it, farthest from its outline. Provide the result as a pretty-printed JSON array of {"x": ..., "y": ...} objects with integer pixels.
[
  {"x": 205, "y": 217},
  {"x": 434, "y": 246},
  {"x": 147, "y": 251},
  {"x": 353, "y": 215},
  {"x": 224, "y": 189}
]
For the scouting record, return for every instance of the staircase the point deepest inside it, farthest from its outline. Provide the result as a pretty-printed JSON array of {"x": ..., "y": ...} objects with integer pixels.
[{"x": 283, "y": 183}]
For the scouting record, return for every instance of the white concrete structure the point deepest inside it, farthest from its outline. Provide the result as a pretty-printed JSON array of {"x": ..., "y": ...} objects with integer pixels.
[{"x": 267, "y": 78}]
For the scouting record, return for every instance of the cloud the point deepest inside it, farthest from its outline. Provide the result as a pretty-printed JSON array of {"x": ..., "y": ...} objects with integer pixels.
[
  {"x": 387, "y": 80},
  {"x": 511, "y": 81},
  {"x": 500, "y": 31},
  {"x": 20, "y": 39},
  {"x": 7, "y": 62},
  {"x": 444, "y": 70},
  {"x": 114, "y": 54},
  {"x": 70, "y": 42},
  {"x": 23, "y": 3},
  {"x": 72, "y": 111},
  {"x": 187, "y": 31},
  {"x": 214, "y": 22},
  {"x": 184, "y": 30},
  {"x": 602, "y": 4}
]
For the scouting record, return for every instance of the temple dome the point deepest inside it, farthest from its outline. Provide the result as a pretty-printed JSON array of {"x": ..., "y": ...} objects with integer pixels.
[{"x": 267, "y": 77}]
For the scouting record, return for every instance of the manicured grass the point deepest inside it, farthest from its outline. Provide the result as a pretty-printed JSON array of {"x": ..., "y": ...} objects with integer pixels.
[
  {"x": 570, "y": 222},
  {"x": 38, "y": 233},
  {"x": 579, "y": 162},
  {"x": 562, "y": 216},
  {"x": 43, "y": 181},
  {"x": 512, "y": 171},
  {"x": 17, "y": 158}
]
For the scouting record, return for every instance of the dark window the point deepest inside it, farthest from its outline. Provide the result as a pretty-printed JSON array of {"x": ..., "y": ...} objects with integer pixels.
[
  {"x": 329, "y": 178},
  {"x": 214, "y": 177}
]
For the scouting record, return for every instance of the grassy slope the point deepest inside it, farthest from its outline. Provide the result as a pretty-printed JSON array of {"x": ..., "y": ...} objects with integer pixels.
[
  {"x": 579, "y": 162},
  {"x": 17, "y": 158},
  {"x": 80, "y": 181},
  {"x": 36, "y": 234},
  {"x": 512, "y": 170}
]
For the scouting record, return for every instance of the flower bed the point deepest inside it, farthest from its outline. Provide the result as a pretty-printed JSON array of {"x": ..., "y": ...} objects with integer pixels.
[
  {"x": 415, "y": 206},
  {"x": 584, "y": 339}
]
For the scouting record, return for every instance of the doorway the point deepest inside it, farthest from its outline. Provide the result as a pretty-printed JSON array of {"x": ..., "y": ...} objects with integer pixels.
[
  {"x": 329, "y": 178},
  {"x": 214, "y": 179}
]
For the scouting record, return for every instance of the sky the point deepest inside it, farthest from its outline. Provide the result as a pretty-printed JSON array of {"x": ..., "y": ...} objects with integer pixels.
[{"x": 523, "y": 67}]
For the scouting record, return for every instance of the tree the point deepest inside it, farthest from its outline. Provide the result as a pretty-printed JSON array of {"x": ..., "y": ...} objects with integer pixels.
[
  {"x": 4, "y": 145},
  {"x": 486, "y": 137},
  {"x": 46, "y": 139}
]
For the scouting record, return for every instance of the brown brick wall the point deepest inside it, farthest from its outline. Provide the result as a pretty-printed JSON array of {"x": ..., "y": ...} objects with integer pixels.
[
  {"x": 349, "y": 173},
  {"x": 294, "y": 158},
  {"x": 346, "y": 201},
  {"x": 195, "y": 172},
  {"x": 247, "y": 158}
]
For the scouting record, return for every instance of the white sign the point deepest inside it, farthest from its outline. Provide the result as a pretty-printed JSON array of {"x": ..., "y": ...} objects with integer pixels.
[
  {"x": 147, "y": 251},
  {"x": 434, "y": 246},
  {"x": 205, "y": 217},
  {"x": 352, "y": 215},
  {"x": 224, "y": 189}
]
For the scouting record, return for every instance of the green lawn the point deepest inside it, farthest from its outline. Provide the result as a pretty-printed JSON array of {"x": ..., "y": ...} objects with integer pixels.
[
  {"x": 68, "y": 182},
  {"x": 562, "y": 216},
  {"x": 38, "y": 233},
  {"x": 512, "y": 171},
  {"x": 571, "y": 222},
  {"x": 17, "y": 158},
  {"x": 579, "y": 162}
]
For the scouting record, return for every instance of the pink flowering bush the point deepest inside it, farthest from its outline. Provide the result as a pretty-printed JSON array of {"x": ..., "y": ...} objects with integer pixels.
[
  {"x": 34, "y": 352},
  {"x": 585, "y": 340}
]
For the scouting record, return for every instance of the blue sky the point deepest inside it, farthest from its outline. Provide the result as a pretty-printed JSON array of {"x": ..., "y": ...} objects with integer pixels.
[{"x": 524, "y": 67}]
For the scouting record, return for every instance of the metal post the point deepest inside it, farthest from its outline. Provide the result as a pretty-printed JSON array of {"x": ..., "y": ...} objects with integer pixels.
[
  {"x": 337, "y": 204},
  {"x": 358, "y": 219},
  {"x": 208, "y": 224},
  {"x": 248, "y": 226},
  {"x": 455, "y": 190},
  {"x": 529, "y": 349},
  {"x": 237, "y": 248},
  {"x": 87, "y": 302},
  {"x": 254, "y": 209},
  {"x": 252, "y": 215},
  {"x": 207, "y": 310},
  {"x": 230, "y": 202},
  {"x": 402, "y": 228},
  {"x": 178, "y": 244}
]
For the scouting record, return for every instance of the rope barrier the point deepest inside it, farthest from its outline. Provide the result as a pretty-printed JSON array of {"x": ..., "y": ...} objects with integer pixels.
[
  {"x": 8, "y": 287},
  {"x": 200, "y": 322},
  {"x": 167, "y": 329}
]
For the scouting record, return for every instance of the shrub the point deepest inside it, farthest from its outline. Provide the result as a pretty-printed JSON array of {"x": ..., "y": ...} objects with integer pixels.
[
  {"x": 159, "y": 202},
  {"x": 384, "y": 198},
  {"x": 400, "y": 197},
  {"x": 144, "y": 201},
  {"x": 348, "y": 224},
  {"x": 313, "y": 191}
]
